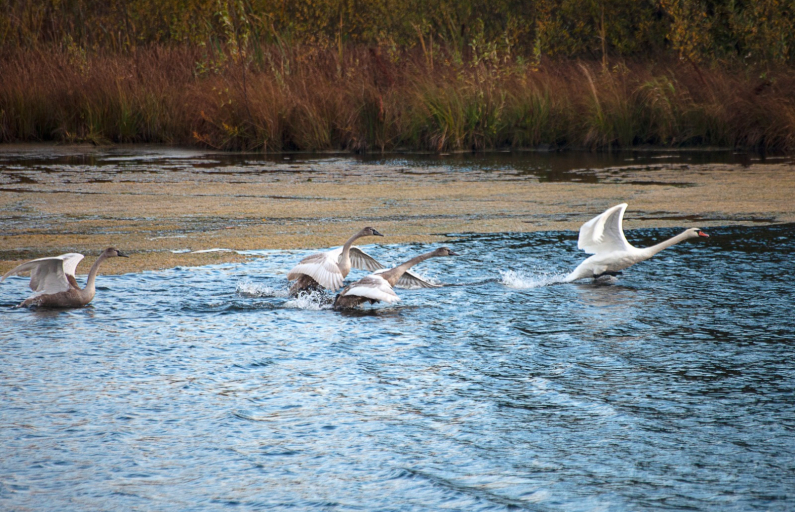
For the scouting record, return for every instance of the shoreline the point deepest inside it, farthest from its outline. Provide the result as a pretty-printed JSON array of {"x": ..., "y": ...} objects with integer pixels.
[{"x": 157, "y": 211}]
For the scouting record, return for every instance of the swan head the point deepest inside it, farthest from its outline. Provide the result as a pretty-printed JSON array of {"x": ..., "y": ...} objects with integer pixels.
[
  {"x": 112, "y": 252},
  {"x": 368, "y": 231},
  {"x": 444, "y": 251},
  {"x": 696, "y": 233}
]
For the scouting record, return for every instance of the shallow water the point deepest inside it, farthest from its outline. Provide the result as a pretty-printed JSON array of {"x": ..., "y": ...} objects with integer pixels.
[{"x": 208, "y": 389}]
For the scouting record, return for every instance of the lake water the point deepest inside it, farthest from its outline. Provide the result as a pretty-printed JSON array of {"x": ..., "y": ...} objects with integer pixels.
[
  {"x": 208, "y": 389},
  {"x": 27, "y": 164}
]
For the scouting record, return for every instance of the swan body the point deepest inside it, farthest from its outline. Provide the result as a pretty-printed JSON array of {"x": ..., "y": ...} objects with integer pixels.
[
  {"x": 372, "y": 288},
  {"x": 329, "y": 269},
  {"x": 378, "y": 286},
  {"x": 53, "y": 280},
  {"x": 603, "y": 236}
]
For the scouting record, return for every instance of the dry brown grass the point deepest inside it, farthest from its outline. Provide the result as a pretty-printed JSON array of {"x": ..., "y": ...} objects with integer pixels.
[{"x": 305, "y": 98}]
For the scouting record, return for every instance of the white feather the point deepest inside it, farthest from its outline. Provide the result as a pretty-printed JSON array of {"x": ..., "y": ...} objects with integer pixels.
[
  {"x": 604, "y": 233},
  {"x": 48, "y": 275},
  {"x": 359, "y": 258},
  {"x": 373, "y": 287},
  {"x": 603, "y": 237},
  {"x": 70, "y": 262},
  {"x": 322, "y": 267}
]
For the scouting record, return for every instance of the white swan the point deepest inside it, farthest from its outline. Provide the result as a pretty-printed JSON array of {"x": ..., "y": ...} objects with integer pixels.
[
  {"x": 378, "y": 285},
  {"x": 53, "y": 280},
  {"x": 604, "y": 237},
  {"x": 328, "y": 269}
]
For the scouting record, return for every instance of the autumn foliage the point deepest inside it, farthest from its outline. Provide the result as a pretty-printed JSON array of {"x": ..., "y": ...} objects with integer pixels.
[{"x": 275, "y": 75}]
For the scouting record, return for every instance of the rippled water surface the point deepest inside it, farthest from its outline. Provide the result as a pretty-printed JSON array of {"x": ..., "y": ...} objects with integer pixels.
[
  {"x": 207, "y": 388},
  {"x": 25, "y": 165}
]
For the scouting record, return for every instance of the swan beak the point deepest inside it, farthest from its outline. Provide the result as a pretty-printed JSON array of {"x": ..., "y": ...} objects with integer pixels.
[
  {"x": 376, "y": 233},
  {"x": 701, "y": 233},
  {"x": 122, "y": 255},
  {"x": 451, "y": 253}
]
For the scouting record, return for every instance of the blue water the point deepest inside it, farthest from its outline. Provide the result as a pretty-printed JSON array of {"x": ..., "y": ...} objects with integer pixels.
[{"x": 208, "y": 389}]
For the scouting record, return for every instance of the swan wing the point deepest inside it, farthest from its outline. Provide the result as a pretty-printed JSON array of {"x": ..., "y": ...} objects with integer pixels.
[
  {"x": 335, "y": 254},
  {"x": 70, "y": 262},
  {"x": 373, "y": 287},
  {"x": 604, "y": 233},
  {"x": 412, "y": 281},
  {"x": 48, "y": 275},
  {"x": 322, "y": 267},
  {"x": 359, "y": 258},
  {"x": 362, "y": 260}
]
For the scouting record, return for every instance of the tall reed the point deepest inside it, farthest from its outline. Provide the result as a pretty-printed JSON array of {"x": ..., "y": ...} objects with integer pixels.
[{"x": 360, "y": 99}]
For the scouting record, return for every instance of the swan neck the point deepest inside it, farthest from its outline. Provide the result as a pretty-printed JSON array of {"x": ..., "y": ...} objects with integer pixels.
[
  {"x": 654, "y": 249},
  {"x": 346, "y": 249},
  {"x": 89, "y": 290},
  {"x": 344, "y": 263},
  {"x": 394, "y": 275}
]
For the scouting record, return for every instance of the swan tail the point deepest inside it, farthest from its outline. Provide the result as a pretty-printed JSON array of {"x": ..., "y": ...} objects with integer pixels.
[{"x": 581, "y": 272}]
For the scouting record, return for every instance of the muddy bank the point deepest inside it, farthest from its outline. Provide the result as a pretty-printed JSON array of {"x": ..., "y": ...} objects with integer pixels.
[{"x": 175, "y": 210}]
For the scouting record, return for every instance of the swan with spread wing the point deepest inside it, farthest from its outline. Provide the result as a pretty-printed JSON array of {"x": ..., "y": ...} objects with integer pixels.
[
  {"x": 603, "y": 236},
  {"x": 329, "y": 269},
  {"x": 378, "y": 286},
  {"x": 53, "y": 280}
]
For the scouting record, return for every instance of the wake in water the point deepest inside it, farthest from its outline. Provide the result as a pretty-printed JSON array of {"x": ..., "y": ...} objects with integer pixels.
[
  {"x": 314, "y": 300},
  {"x": 522, "y": 280},
  {"x": 251, "y": 290}
]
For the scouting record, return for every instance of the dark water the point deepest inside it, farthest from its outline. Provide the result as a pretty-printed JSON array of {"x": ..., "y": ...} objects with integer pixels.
[
  {"x": 23, "y": 165},
  {"x": 208, "y": 389}
]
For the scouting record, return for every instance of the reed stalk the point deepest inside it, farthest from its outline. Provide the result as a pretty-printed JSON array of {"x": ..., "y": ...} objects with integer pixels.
[{"x": 365, "y": 99}]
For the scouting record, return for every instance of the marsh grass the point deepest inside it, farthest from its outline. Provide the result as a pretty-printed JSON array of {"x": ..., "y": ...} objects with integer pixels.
[{"x": 353, "y": 98}]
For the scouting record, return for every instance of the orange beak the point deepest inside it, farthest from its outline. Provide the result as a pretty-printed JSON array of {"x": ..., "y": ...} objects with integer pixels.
[{"x": 701, "y": 233}]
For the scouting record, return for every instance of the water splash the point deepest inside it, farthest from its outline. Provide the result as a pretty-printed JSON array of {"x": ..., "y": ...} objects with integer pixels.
[
  {"x": 312, "y": 301},
  {"x": 249, "y": 289},
  {"x": 522, "y": 280}
]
